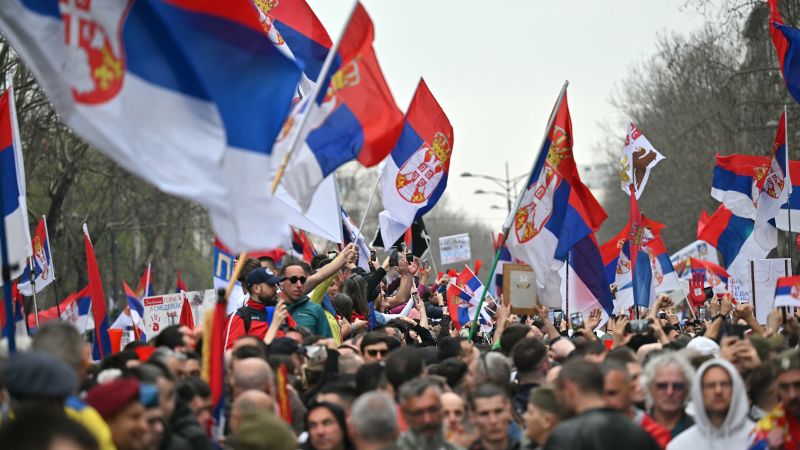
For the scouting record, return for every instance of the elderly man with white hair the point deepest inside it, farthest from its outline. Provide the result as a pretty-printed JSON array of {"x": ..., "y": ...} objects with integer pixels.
[{"x": 667, "y": 380}]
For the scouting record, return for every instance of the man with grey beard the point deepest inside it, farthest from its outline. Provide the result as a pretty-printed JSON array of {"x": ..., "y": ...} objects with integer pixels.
[{"x": 420, "y": 401}]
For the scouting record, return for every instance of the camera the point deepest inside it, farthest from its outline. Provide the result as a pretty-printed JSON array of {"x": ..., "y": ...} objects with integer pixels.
[
  {"x": 576, "y": 319},
  {"x": 639, "y": 326}
]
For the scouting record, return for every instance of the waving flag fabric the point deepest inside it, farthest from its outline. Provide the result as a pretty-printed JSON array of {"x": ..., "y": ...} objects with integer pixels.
[
  {"x": 302, "y": 245},
  {"x": 556, "y": 210},
  {"x": 18, "y": 324},
  {"x": 102, "y": 342},
  {"x": 737, "y": 182},
  {"x": 787, "y": 45},
  {"x": 787, "y": 292},
  {"x": 44, "y": 272},
  {"x": 715, "y": 276},
  {"x": 180, "y": 285},
  {"x": 350, "y": 234},
  {"x": 12, "y": 177},
  {"x": 295, "y": 30},
  {"x": 75, "y": 309},
  {"x": 775, "y": 189},
  {"x": 732, "y": 236},
  {"x": 223, "y": 90},
  {"x": 132, "y": 315},
  {"x": 354, "y": 117},
  {"x": 638, "y": 157},
  {"x": 415, "y": 174},
  {"x": 505, "y": 258},
  {"x": 588, "y": 286},
  {"x": 145, "y": 286}
]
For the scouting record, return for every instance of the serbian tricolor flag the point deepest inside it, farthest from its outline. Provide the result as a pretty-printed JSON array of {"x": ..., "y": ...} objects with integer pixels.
[
  {"x": 702, "y": 221},
  {"x": 787, "y": 292},
  {"x": 733, "y": 237},
  {"x": 715, "y": 276},
  {"x": 295, "y": 30},
  {"x": 75, "y": 309},
  {"x": 468, "y": 296},
  {"x": 222, "y": 269},
  {"x": 18, "y": 313},
  {"x": 44, "y": 272},
  {"x": 787, "y": 46},
  {"x": 556, "y": 210},
  {"x": 350, "y": 234},
  {"x": 211, "y": 66},
  {"x": 505, "y": 258},
  {"x": 588, "y": 288},
  {"x": 132, "y": 315},
  {"x": 737, "y": 182},
  {"x": 644, "y": 292},
  {"x": 302, "y": 245},
  {"x": 415, "y": 174},
  {"x": 102, "y": 342},
  {"x": 775, "y": 188},
  {"x": 353, "y": 117}
]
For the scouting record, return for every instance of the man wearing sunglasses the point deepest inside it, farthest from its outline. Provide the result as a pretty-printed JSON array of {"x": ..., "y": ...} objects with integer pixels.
[{"x": 668, "y": 381}]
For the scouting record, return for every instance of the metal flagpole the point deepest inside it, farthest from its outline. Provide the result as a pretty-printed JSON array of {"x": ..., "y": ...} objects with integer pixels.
[
  {"x": 323, "y": 73},
  {"x": 33, "y": 288},
  {"x": 787, "y": 180},
  {"x": 369, "y": 205},
  {"x": 507, "y": 227}
]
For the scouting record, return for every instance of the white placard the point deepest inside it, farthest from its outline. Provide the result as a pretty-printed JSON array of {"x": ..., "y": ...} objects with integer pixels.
[
  {"x": 161, "y": 311},
  {"x": 739, "y": 290},
  {"x": 454, "y": 248},
  {"x": 765, "y": 277},
  {"x": 697, "y": 249}
]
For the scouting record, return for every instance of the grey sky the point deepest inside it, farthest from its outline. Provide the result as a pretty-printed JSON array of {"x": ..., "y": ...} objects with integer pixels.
[{"x": 497, "y": 66}]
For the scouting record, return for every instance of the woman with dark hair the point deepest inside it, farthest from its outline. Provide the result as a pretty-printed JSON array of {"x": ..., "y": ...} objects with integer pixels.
[
  {"x": 327, "y": 429},
  {"x": 343, "y": 305},
  {"x": 355, "y": 287}
]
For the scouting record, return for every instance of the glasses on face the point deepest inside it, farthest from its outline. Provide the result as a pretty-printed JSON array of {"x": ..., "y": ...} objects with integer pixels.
[
  {"x": 295, "y": 279},
  {"x": 675, "y": 386},
  {"x": 376, "y": 352}
]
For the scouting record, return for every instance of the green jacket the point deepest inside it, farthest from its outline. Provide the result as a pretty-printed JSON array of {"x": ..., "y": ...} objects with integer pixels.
[{"x": 310, "y": 315}]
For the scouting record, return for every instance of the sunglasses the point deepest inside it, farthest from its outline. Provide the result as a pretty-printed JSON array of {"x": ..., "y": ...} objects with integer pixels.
[
  {"x": 675, "y": 386},
  {"x": 295, "y": 279},
  {"x": 376, "y": 352}
]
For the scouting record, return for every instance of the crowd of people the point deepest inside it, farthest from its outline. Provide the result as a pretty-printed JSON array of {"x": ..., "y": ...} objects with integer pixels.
[{"x": 330, "y": 356}]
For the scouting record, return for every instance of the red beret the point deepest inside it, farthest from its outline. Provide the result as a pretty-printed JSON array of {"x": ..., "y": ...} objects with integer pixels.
[{"x": 111, "y": 398}]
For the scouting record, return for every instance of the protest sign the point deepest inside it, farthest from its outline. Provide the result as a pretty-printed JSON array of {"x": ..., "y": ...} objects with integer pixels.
[
  {"x": 765, "y": 274},
  {"x": 161, "y": 311},
  {"x": 519, "y": 287},
  {"x": 454, "y": 248},
  {"x": 698, "y": 250}
]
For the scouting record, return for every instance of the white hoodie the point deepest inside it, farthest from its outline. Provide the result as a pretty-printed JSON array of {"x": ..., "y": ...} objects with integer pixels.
[{"x": 734, "y": 433}]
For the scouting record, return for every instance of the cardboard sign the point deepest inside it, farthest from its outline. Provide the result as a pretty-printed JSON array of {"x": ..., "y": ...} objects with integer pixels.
[
  {"x": 765, "y": 274},
  {"x": 161, "y": 311},
  {"x": 519, "y": 288},
  {"x": 454, "y": 248}
]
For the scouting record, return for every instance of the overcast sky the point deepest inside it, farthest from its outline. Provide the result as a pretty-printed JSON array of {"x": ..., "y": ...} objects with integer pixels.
[{"x": 496, "y": 68}]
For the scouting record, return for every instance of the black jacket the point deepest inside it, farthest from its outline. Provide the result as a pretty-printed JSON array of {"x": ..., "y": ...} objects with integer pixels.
[
  {"x": 184, "y": 425},
  {"x": 600, "y": 429}
]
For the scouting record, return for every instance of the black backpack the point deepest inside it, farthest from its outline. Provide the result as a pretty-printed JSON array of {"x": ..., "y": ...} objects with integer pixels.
[{"x": 247, "y": 318}]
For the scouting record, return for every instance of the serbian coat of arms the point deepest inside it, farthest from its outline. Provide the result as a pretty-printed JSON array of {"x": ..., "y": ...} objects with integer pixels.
[{"x": 421, "y": 173}]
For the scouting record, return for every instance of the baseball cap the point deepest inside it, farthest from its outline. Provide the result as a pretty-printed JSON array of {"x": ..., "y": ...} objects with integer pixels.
[{"x": 260, "y": 275}]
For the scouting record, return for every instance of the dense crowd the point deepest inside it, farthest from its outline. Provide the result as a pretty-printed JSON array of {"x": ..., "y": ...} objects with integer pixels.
[{"x": 330, "y": 356}]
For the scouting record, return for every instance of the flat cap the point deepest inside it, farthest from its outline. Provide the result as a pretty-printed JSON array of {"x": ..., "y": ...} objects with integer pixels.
[{"x": 39, "y": 376}]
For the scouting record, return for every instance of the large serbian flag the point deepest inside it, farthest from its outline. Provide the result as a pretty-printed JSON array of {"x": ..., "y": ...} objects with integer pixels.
[
  {"x": 12, "y": 177},
  {"x": 415, "y": 174},
  {"x": 776, "y": 188},
  {"x": 556, "y": 210},
  {"x": 223, "y": 92},
  {"x": 787, "y": 45},
  {"x": 353, "y": 117}
]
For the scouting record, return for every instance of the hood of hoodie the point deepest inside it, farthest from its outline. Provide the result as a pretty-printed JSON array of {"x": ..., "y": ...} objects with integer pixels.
[{"x": 736, "y": 421}]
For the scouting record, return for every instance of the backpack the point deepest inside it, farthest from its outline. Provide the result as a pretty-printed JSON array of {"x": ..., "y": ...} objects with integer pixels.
[{"x": 247, "y": 318}]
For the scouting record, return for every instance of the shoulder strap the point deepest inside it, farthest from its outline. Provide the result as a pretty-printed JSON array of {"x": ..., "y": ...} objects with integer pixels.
[{"x": 244, "y": 313}]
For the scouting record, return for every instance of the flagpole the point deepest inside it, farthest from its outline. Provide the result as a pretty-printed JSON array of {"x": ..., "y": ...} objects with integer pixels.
[
  {"x": 787, "y": 177},
  {"x": 52, "y": 268},
  {"x": 369, "y": 205},
  {"x": 33, "y": 288},
  {"x": 507, "y": 227},
  {"x": 147, "y": 280},
  {"x": 323, "y": 73}
]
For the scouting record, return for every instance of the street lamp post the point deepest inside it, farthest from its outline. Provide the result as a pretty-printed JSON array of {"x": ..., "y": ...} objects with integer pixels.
[{"x": 507, "y": 184}]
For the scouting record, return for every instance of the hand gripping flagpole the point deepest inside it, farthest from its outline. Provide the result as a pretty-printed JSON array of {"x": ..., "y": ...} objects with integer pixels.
[
  {"x": 326, "y": 65},
  {"x": 507, "y": 228}
]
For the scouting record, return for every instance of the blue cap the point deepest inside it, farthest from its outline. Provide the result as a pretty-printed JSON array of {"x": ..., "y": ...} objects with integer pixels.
[
  {"x": 260, "y": 275},
  {"x": 39, "y": 376}
]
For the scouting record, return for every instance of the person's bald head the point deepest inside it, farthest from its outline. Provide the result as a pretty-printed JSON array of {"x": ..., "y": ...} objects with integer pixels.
[
  {"x": 252, "y": 373},
  {"x": 249, "y": 402}
]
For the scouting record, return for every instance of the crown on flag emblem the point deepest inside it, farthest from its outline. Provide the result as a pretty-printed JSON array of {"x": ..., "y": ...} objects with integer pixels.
[
  {"x": 421, "y": 173},
  {"x": 537, "y": 203},
  {"x": 559, "y": 147},
  {"x": 95, "y": 63},
  {"x": 266, "y": 5},
  {"x": 347, "y": 76}
]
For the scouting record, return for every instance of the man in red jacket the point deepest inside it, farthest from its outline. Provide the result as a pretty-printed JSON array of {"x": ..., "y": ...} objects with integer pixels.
[{"x": 254, "y": 317}]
